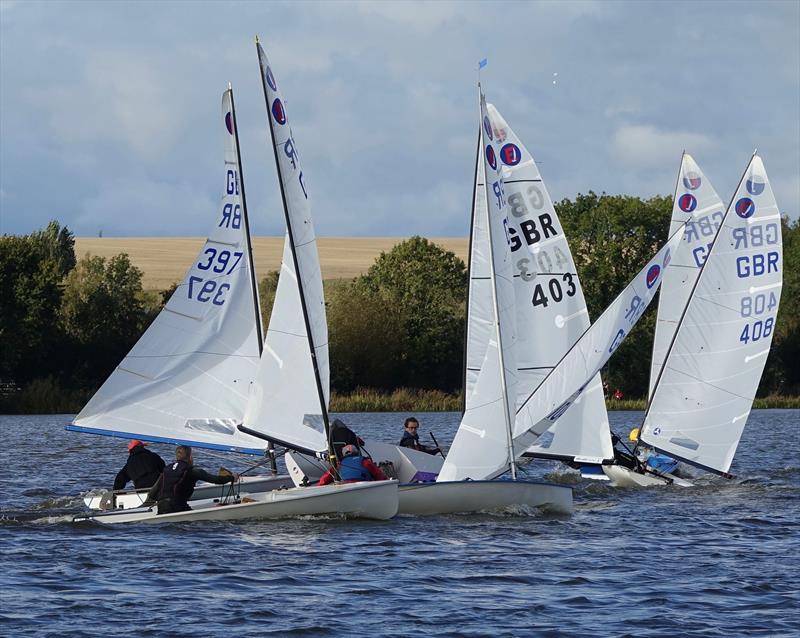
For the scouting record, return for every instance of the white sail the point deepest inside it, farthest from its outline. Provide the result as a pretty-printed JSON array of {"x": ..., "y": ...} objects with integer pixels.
[
  {"x": 697, "y": 205},
  {"x": 483, "y": 440},
  {"x": 551, "y": 310},
  {"x": 188, "y": 378},
  {"x": 705, "y": 391},
  {"x": 290, "y": 398}
]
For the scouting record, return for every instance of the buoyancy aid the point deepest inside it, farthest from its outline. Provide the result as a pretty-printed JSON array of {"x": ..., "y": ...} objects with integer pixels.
[
  {"x": 176, "y": 485},
  {"x": 351, "y": 469}
]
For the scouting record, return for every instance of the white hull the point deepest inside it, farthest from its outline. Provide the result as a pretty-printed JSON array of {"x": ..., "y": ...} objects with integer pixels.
[
  {"x": 451, "y": 497},
  {"x": 621, "y": 476},
  {"x": 130, "y": 499},
  {"x": 374, "y": 500}
]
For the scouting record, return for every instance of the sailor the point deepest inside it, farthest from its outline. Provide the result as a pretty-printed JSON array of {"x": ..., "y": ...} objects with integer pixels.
[
  {"x": 341, "y": 435},
  {"x": 143, "y": 467},
  {"x": 176, "y": 485},
  {"x": 353, "y": 467},
  {"x": 411, "y": 437}
]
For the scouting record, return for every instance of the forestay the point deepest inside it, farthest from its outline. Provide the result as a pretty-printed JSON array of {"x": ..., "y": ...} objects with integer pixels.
[
  {"x": 188, "y": 378},
  {"x": 712, "y": 370},
  {"x": 697, "y": 205},
  {"x": 483, "y": 439},
  {"x": 291, "y": 394},
  {"x": 551, "y": 311}
]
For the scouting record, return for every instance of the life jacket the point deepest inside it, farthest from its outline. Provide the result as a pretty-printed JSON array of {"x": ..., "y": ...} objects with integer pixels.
[
  {"x": 176, "y": 485},
  {"x": 351, "y": 469}
]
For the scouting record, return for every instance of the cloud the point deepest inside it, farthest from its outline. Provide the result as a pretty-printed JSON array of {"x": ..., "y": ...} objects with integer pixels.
[{"x": 646, "y": 146}]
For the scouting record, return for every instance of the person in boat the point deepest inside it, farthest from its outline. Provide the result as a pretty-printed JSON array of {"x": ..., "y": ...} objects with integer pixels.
[
  {"x": 143, "y": 467},
  {"x": 175, "y": 486},
  {"x": 352, "y": 468},
  {"x": 411, "y": 437},
  {"x": 341, "y": 435}
]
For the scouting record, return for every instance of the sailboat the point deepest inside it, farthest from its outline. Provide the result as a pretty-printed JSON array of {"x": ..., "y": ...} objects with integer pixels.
[
  {"x": 370, "y": 500},
  {"x": 704, "y": 390},
  {"x": 484, "y": 436}
]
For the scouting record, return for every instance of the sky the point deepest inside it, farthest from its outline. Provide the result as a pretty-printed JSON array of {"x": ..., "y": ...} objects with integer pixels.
[{"x": 109, "y": 111}]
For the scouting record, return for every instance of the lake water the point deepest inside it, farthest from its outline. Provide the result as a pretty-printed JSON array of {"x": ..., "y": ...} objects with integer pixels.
[{"x": 719, "y": 559}]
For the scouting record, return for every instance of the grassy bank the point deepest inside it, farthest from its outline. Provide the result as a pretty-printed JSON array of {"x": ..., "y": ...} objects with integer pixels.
[{"x": 46, "y": 396}]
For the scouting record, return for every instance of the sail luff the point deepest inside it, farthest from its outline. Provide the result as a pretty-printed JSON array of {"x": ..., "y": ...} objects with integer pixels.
[{"x": 290, "y": 230}]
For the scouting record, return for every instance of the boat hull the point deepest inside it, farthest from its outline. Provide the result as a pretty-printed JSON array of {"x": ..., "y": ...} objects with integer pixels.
[
  {"x": 376, "y": 500},
  {"x": 621, "y": 476},
  {"x": 452, "y": 497},
  {"x": 131, "y": 499}
]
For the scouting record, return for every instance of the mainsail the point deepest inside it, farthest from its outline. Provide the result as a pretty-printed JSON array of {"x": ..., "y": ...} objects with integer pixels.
[
  {"x": 289, "y": 404},
  {"x": 705, "y": 390},
  {"x": 551, "y": 311},
  {"x": 483, "y": 439},
  {"x": 187, "y": 379},
  {"x": 697, "y": 205}
]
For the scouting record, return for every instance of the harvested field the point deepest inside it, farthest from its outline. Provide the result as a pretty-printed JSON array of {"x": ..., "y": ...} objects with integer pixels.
[{"x": 165, "y": 260}]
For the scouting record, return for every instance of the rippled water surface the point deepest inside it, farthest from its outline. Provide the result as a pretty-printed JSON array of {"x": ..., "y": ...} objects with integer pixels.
[{"x": 719, "y": 559}]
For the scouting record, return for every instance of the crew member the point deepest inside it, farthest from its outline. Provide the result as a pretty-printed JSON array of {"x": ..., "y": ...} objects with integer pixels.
[
  {"x": 143, "y": 467},
  {"x": 411, "y": 437},
  {"x": 353, "y": 467}
]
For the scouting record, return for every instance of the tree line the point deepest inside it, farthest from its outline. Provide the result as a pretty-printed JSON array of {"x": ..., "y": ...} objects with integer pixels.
[{"x": 66, "y": 322}]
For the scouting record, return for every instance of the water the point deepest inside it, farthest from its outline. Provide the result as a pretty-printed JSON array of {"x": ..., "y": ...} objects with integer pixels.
[{"x": 719, "y": 559}]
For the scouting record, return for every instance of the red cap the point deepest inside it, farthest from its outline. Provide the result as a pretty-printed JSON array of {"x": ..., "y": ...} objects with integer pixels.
[{"x": 134, "y": 443}]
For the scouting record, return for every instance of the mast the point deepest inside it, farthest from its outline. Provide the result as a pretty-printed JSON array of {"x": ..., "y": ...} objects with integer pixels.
[
  {"x": 253, "y": 282},
  {"x": 680, "y": 324},
  {"x": 320, "y": 393},
  {"x": 478, "y": 158},
  {"x": 498, "y": 332}
]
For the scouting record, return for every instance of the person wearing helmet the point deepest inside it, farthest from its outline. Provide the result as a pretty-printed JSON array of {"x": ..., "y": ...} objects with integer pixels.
[
  {"x": 143, "y": 467},
  {"x": 353, "y": 467}
]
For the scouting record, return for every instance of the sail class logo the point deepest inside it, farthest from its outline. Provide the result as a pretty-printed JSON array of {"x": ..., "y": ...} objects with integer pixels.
[
  {"x": 277, "y": 111},
  {"x": 652, "y": 275},
  {"x": 755, "y": 185},
  {"x": 490, "y": 157},
  {"x": 487, "y": 127},
  {"x": 745, "y": 208},
  {"x": 271, "y": 79},
  {"x": 687, "y": 202},
  {"x": 510, "y": 154},
  {"x": 692, "y": 180},
  {"x": 229, "y": 122}
]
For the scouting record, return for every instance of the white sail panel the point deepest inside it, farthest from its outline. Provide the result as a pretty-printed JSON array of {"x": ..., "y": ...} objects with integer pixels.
[
  {"x": 480, "y": 313},
  {"x": 280, "y": 411},
  {"x": 697, "y": 205},
  {"x": 551, "y": 310},
  {"x": 483, "y": 440},
  {"x": 711, "y": 374},
  {"x": 575, "y": 372},
  {"x": 188, "y": 377}
]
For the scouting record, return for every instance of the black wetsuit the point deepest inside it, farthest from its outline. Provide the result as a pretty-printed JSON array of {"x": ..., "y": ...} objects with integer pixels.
[
  {"x": 143, "y": 468},
  {"x": 176, "y": 485}
]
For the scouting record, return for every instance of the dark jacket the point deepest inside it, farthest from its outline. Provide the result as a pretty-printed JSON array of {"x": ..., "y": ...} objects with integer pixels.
[
  {"x": 412, "y": 441},
  {"x": 176, "y": 485},
  {"x": 143, "y": 468}
]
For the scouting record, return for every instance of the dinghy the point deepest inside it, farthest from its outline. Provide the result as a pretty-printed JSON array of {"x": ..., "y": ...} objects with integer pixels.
[
  {"x": 711, "y": 369},
  {"x": 484, "y": 436}
]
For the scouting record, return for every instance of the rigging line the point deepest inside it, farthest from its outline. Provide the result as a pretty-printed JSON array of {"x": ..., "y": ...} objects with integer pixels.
[{"x": 188, "y": 352}]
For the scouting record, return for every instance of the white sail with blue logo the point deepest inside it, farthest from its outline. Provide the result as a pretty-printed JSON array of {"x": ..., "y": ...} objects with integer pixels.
[
  {"x": 483, "y": 440},
  {"x": 697, "y": 205},
  {"x": 290, "y": 399},
  {"x": 705, "y": 390},
  {"x": 551, "y": 312},
  {"x": 188, "y": 378}
]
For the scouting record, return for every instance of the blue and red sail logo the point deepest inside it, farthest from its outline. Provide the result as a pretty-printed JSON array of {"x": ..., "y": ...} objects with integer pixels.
[
  {"x": 510, "y": 154},
  {"x": 277, "y": 111},
  {"x": 271, "y": 79},
  {"x": 490, "y": 157},
  {"x": 687, "y": 202},
  {"x": 652, "y": 275},
  {"x": 745, "y": 208},
  {"x": 488, "y": 128},
  {"x": 755, "y": 185},
  {"x": 229, "y": 122},
  {"x": 692, "y": 180}
]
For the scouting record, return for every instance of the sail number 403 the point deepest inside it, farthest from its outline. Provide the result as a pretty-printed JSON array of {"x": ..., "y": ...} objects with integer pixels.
[{"x": 540, "y": 297}]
